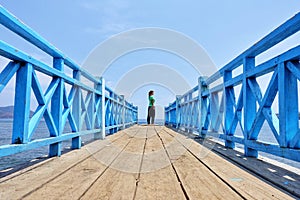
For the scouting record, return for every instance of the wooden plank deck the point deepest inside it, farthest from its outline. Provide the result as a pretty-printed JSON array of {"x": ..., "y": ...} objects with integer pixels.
[{"x": 142, "y": 162}]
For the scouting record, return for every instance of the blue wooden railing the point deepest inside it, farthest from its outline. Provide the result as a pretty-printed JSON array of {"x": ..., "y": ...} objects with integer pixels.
[
  {"x": 100, "y": 108},
  {"x": 211, "y": 107}
]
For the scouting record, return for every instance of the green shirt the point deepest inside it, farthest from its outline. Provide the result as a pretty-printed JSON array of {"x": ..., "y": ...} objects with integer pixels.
[{"x": 151, "y": 100}]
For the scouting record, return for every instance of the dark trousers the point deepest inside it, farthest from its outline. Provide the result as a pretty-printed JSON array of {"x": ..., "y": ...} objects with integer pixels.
[{"x": 151, "y": 115}]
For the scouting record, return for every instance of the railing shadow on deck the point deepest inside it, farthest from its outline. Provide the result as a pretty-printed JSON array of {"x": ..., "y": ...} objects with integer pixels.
[
  {"x": 221, "y": 102},
  {"x": 284, "y": 179},
  {"x": 95, "y": 110}
]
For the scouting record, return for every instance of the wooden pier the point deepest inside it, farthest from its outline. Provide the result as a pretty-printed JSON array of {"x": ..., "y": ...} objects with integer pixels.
[{"x": 142, "y": 162}]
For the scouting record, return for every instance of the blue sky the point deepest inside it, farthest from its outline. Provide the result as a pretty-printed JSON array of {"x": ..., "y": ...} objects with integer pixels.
[{"x": 222, "y": 28}]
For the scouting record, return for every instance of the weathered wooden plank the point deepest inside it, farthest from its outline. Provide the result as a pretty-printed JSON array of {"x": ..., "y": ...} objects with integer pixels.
[
  {"x": 136, "y": 163},
  {"x": 113, "y": 184},
  {"x": 48, "y": 171},
  {"x": 129, "y": 160},
  {"x": 119, "y": 180},
  {"x": 283, "y": 178},
  {"x": 80, "y": 177},
  {"x": 160, "y": 184},
  {"x": 248, "y": 185},
  {"x": 72, "y": 184},
  {"x": 157, "y": 178},
  {"x": 155, "y": 157},
  {"x": 197, "y": 180},
  {"x": 18, "y": 186}
]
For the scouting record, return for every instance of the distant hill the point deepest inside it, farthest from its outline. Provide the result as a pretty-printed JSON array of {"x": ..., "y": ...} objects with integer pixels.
[{"x": 7, "y": 112}]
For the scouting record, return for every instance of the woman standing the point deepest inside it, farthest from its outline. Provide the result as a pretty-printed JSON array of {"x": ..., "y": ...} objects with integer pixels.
[{"x": 151, "y": 108}]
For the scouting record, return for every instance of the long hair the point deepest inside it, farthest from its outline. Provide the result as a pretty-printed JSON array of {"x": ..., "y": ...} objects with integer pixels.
[{"x": 150, "y": 93}]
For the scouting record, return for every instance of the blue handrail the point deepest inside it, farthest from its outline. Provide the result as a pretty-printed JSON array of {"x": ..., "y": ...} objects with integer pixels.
[
  {"x": 215, "y": 109},
  {"x": 101, "y": 109}
]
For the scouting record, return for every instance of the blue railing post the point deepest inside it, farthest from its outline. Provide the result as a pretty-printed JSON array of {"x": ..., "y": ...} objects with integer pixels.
[
  {"x": 76, "y": 110},
  {"x": 98, "y": 113},
  {"x": 123, "y": 111},
  {"x": 168, "y": 115},
  {"x": 113, "y": 110},
  {"x": 288, "y": 106},
  {"x": 177, "y": 116},
  {"x": 57, "y": 108},
  {"x": 134, "y": 118},
  {"x": 214, "y": 110},
  {"x": 22, "y": 104},
  {"x": 190, "y": 113},
  {"x": 199, "y": 106},
  {"x": 183, "y": 113},
  {"x": 91, "y": 110},
  {"x": 136, "y": 114},
  {"x": 249, "y": 106},
  {"x": 202, "y": 105},
  {"x": 229, "y": 112},
  {"x": 103, "y": 110}
]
